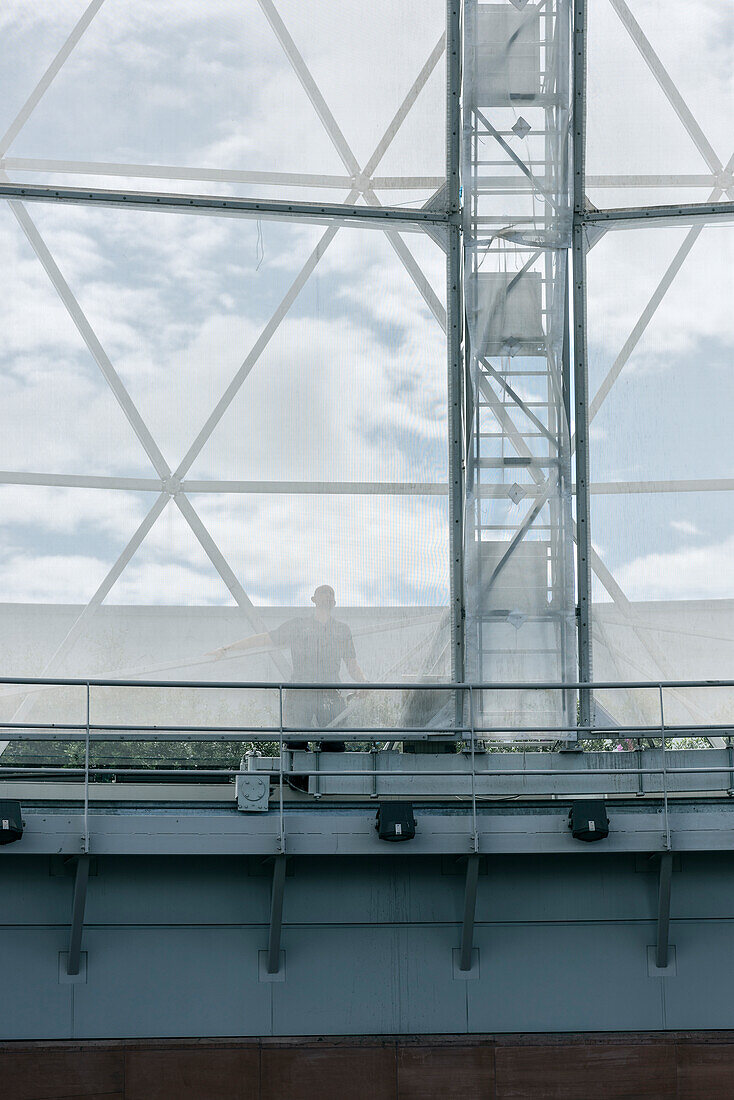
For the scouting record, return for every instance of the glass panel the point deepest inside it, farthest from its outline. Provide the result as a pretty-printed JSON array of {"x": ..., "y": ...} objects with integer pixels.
[
  {"x": 661, "y": 461},
  {"x": 660, "y": 111},
  {"x": 229, "y": 97}
]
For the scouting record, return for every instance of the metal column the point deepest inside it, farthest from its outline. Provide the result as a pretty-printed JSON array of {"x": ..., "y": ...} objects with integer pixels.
[
  {"x": 454, "y": 340},
  {"x": 581, "y": 370}
]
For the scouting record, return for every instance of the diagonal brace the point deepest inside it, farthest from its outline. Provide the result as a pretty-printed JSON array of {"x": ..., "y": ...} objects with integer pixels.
[
  {"x": 77, "y": 914},
  {"x": 470, "y": 905},
  {"x": 276, "y": 914},
  {"x": 665, "y": 875}
]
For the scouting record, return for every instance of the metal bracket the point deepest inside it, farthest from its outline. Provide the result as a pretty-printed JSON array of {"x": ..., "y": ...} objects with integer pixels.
[
  {"x": 665, "y": 875},
  {"x": 276, "y": 914},
  {"x": 77, "y": 915},
  {"x": 470, "y": 905}
]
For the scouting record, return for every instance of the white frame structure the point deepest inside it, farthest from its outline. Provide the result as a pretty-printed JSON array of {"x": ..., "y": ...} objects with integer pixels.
[{"x": 441, "y": 217}]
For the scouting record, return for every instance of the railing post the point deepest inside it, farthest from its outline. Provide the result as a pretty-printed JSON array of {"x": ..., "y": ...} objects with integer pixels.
[
  {"x": 475, "y": 830},
  {"x": 317, "y": 767},
  {"x": 281, "y": 839},
  {"x": 373, "y": 754},
  {"x": 665, "y": 770},
  {"x": 85, "y": 838}
]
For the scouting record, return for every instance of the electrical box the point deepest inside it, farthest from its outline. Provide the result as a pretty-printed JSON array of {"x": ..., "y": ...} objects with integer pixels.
[
  {"x": 253, "y": 792},
  {"x": 11, "y": 821},
  {"x": 588, "y": 820},
  {"x": 395, "y": 821}
]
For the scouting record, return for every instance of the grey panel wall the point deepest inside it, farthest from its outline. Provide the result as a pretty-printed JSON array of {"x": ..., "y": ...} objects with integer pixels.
[{"x": 172, "y": 947}]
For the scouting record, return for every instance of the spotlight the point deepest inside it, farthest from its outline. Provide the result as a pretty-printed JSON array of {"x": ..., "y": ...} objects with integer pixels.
[
  {"x": 395, "y": 821},
  {"x": 11, "y": 821},
  {"x": 588, "y": 820}
]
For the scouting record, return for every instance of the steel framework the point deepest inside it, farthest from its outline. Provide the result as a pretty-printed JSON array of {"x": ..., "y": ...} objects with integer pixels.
[{"x": 504, "y": 374}]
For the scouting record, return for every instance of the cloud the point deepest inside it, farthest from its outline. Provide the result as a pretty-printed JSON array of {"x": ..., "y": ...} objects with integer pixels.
[
  {"x": 50, "y": 578},
  {"x": 182, "y": 84},
  {"x": 61, "y": 510},
  {"x": 706, "y": 572},
  {"x": 351, "y": 386},
  {"x": 625, "y": 268},
  {"x": 685, "y": 527},
  {"x": 631, "y": 127}
]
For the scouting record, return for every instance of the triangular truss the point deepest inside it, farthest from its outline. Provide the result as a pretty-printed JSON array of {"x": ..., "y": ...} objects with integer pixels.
[{"x": 170, "y": 485}]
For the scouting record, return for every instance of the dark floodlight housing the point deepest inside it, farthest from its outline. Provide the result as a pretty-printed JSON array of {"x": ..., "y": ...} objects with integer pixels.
[
  {"x": 588, "y": 820},
  {"x": 11, "y": 821},
  {"x": 395, "y": 821}
]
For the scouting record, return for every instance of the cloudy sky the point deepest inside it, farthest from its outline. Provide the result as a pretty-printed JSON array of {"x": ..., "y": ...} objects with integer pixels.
[
  {"x": 352, "y": 386},
  {"x": 669, "y": 415}
]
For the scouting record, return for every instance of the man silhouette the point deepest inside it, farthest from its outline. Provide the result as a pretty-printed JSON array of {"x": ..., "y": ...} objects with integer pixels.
[{"x": 318, "y": 644}]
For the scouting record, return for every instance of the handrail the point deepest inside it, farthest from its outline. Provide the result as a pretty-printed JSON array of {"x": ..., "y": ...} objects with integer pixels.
[
  {"x": 423, "y": 685},
  {"x": 90, "y": 731}
]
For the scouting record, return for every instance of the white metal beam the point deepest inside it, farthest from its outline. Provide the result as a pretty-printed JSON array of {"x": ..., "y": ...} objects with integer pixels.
[
  {"x": 255, "y": 352},
  {"x": 82, "y": 481},
  {"x": 318, "y": 488},
  {"x": 214, "y": 175},
  {"x": 627, "y": 488},
  {"x": 227, "y": 574},
  {"x": 652, "y": 305},
  {"x": 90, "y": 339},
  {"x": 272, "y": 325},
  {"x": 643, "y": 321},
  {"x": 361, "y": 178},
  {"x": 402, "y": 112},
  {"x": 310, "y": 87},
  {"x": 43, "y": 84},
  {"x": 670, "y": 91}
]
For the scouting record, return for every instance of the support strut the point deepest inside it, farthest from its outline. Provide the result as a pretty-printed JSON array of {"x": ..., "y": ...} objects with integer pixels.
[
  {"x": 470, "y": 905},
  {"x": 77, "y": 915},
  {"x": 665, "y": 876},
  {"x": 276, "y": 914}
]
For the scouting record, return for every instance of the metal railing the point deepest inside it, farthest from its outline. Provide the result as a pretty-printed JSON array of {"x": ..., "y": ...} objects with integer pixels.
[{"x": 468, "y": 733}]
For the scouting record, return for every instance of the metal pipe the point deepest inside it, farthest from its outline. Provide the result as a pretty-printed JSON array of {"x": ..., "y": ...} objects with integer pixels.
[
  {"x": 85, "y": 839},
  {"x": 665, "y": 773},
  {"x": 494, "y": 772},
  {"x": 281, "y": 840},
  {"x": 406, "y": 685}
]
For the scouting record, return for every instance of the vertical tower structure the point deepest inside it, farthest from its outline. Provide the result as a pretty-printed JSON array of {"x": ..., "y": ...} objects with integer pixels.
[{"x": 517, "y": 226}]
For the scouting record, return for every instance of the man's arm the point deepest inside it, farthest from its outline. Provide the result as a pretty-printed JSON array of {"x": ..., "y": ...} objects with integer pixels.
[
  {"x": 354, "y": 670},
  {"x": 349, "y": 656},
  {"x": 255, "y": 641},
  {"x": 279, "y": 638}
]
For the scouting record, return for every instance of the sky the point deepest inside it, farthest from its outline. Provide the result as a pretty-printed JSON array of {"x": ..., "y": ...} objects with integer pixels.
[{"x": 353, "y": 385}]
